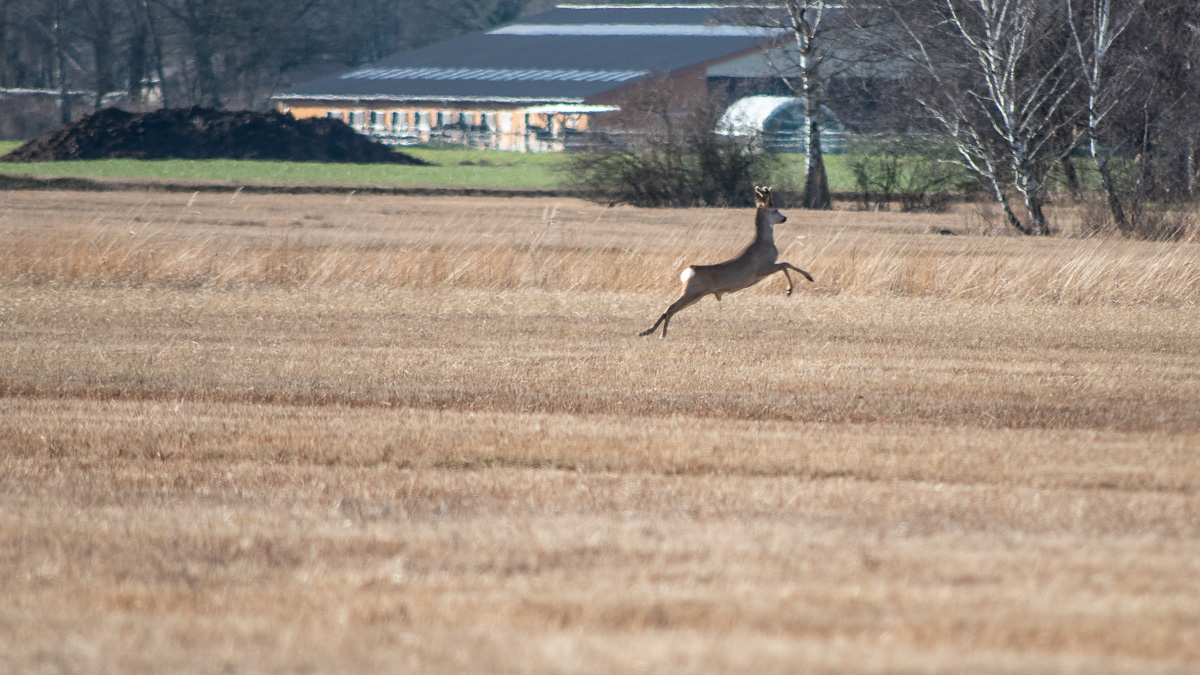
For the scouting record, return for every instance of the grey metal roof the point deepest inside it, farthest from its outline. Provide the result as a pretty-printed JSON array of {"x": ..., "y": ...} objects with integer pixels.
[
  {"x": 615, "y": 14},
  {"x": 567, "y": 54}
]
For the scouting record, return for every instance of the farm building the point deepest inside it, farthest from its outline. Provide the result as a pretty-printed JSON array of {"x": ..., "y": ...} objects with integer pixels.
[{"x": 537, "y": 84}]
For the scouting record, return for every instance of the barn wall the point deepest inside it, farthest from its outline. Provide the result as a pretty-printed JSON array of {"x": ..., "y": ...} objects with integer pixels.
[{"x": 492, "y": 127}]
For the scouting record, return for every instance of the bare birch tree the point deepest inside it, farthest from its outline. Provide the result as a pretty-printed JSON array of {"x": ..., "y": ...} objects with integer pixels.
[
  {"x": 804, "y": 23},
  {"x": 1000, "y": 84},
  {"x": 1095, "y": 28}
]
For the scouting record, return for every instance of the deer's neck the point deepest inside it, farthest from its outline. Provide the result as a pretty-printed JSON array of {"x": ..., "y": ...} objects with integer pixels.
[{"x": 764, "y": 232}]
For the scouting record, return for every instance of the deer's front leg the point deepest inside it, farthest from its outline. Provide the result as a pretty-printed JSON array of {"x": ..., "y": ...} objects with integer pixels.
[
  {"x": 784, "y": 267},
  {"x": 789, "y": 266}
]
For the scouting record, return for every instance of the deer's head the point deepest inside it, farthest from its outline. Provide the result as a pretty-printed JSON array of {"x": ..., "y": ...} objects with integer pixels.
[{"x": 766, "y": 207}]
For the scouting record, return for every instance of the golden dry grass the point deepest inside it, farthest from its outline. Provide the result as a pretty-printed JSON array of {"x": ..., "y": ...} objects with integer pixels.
[{"x": 326, "y": 434}]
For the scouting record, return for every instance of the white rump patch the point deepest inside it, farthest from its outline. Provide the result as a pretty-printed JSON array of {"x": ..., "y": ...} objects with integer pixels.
[{"x": 687, "y": 274}]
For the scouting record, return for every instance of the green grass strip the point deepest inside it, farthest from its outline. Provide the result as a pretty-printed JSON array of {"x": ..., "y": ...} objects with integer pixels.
[{"x": 451, "y": 167}]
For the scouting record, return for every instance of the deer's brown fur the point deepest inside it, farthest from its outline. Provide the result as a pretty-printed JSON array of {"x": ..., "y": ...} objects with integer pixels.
[{"x": 751, "y": 266}]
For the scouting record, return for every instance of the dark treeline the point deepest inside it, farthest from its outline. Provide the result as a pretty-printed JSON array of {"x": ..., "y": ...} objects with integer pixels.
[{"x": 232, "y": 53}]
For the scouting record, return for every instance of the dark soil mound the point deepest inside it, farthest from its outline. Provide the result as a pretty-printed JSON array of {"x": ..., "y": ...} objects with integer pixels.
[{"x": 207, "y": 133}]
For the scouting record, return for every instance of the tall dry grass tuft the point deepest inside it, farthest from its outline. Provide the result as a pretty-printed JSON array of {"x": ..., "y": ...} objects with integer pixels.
[
  {"x": 1074, "y": 271},
  {"x": 586, "y": 248}
]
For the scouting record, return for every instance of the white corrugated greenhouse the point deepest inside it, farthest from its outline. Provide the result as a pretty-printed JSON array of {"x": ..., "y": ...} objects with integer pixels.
[{"x": 780, "y": 120}]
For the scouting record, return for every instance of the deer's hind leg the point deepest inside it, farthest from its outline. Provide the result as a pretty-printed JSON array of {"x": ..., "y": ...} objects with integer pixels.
[{"x": 688, "y": 297}]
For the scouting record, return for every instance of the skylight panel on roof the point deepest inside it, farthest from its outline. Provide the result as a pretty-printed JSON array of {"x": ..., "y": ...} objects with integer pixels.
[
  {"x": 495, "y": 74},
  {"x": 634, "y": 30}
]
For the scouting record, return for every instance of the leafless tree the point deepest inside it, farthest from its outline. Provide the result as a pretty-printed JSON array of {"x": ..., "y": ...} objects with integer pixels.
[
  {"x": 60, "y": 32},
  {"x": 1138, "y": 61},
  {"x": 803, "y": 66},
  {"x": 100, "y": 32},
  {"x": 1095, "y": 27},
  {"x": 1001, "y": 81},
  {"x": 1166, "y": 42}
]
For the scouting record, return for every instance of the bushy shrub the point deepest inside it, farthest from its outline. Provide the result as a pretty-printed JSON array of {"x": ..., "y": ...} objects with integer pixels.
[
  {"x": 910, "y": 170},
  {"x": 654, "y": 153}
]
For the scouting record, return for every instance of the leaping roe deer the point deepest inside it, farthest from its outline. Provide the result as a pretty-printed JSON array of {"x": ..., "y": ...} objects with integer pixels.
[{"x": 753, "y": 265}]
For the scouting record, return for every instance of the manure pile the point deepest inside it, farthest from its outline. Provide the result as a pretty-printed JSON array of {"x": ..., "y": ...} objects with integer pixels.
[{"x": 207, "y": 133}]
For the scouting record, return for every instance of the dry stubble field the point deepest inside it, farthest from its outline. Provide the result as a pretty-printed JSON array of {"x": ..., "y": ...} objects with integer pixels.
[{"x": 247, "y": 433}]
